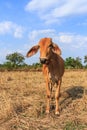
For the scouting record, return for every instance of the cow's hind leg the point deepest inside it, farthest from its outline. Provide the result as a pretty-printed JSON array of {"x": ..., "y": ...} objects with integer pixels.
[
  {"x": 48, "y": 97},
  {"x": 57, "y": 95}
]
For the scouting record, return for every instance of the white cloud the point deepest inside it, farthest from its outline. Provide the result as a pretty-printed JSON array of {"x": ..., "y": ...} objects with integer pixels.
[
  {"x": 18, "y": 33},
  {"x": 5, "y": 27},
  {"x": 52, "y": 10},
  {"x": 36, "y": 34},
  {"x": 80, "y": 42},
  {"x": 36, "y": 5},
  {"x": 73, "y": 41},
  {"x": 8, "y": 27},
  {"x": 65, "y": 40}
]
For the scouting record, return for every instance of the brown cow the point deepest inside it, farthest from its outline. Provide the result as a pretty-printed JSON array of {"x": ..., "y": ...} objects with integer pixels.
[{"x": 53, "y": 67}]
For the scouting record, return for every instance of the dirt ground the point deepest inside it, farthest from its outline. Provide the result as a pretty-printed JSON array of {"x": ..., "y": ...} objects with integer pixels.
[{"x": 23, "y": 102}]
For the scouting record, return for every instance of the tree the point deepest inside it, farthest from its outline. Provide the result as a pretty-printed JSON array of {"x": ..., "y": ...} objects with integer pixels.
[
  {"x": 36, "y": 65},
  {"x": 85, "y": 59},
  {"x": 78, "y": 63},
  {"x": 69, "y": 62},
  {"x": 73, "y": 63},
  {"x": 15, "y": 59}
]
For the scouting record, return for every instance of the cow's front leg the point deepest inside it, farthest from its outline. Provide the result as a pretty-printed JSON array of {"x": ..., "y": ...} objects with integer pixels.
[
  {"x": 57, "y": 94},
  {"x": 48, "y": 97}
]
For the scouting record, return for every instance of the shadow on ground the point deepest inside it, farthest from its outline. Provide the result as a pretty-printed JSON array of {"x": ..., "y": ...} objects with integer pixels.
[{"x": 73, "y": 93}]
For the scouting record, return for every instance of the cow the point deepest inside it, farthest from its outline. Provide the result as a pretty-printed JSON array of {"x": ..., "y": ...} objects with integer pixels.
[{"x": 52, "y": 66}]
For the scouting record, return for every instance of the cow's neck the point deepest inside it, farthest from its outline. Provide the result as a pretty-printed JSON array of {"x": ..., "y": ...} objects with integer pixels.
[
  {"x": 53, "y": 60},
  {"x": 53, "y": 64}
]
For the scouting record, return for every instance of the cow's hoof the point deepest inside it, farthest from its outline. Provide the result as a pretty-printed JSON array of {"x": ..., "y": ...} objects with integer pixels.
[
  {"x": 47, "y": 111},
  {"x": 57, "y": 113}
]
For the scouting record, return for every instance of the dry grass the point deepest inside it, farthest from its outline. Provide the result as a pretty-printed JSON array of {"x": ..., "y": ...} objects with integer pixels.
[{"x": 23, "y": 100}]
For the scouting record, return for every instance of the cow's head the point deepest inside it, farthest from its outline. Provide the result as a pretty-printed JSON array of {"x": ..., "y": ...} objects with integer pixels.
[{"x": 46, "y": 47}]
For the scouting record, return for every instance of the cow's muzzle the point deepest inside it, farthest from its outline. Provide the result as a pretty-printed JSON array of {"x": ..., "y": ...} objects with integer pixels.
[{"x": 43, "y": 60}]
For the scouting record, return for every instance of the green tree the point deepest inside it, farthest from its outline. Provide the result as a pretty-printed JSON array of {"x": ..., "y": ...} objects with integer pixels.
[
  {"x": 36, "y": 65},
  {"x": 15, "y": 59},
  {"x": 69, "y": 62},
  {"x": 73, "y": 63},
  {"x": 85, "y": 59},
  {"x": 78, "y": 63}
]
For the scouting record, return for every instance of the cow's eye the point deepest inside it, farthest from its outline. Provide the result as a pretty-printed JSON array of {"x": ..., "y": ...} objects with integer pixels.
[{"x": 50, "y": 46}]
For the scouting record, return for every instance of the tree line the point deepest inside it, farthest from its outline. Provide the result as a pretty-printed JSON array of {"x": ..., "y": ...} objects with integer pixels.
[{"x": 16, "y": 61}]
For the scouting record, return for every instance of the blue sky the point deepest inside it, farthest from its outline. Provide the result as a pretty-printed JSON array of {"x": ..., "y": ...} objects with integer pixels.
[{"x": 24, "y": 22}]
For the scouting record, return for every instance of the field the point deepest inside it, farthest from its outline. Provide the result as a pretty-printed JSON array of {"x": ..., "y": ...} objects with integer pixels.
[{"x": 23, "y": 102}]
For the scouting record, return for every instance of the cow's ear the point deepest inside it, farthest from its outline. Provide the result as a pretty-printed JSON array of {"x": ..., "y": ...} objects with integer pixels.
[
  {"x": 56, "y": 49},
  {"x": 32, "y": 51}
]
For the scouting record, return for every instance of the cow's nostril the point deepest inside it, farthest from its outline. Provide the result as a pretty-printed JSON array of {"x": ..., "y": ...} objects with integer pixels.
[{"x": 43, "y": 60}]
